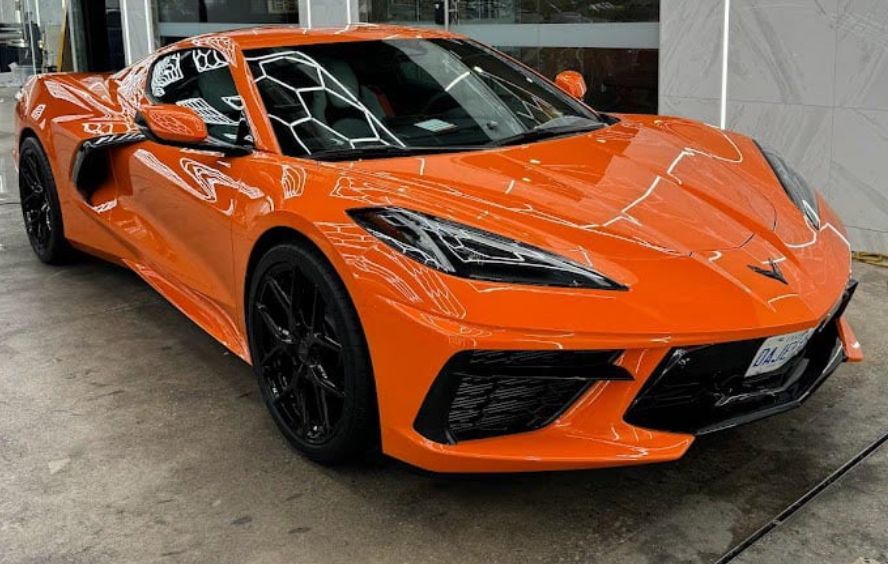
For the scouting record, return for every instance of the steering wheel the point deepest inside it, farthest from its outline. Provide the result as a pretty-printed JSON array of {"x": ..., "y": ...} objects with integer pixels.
[{"x": 436, "y": 99}]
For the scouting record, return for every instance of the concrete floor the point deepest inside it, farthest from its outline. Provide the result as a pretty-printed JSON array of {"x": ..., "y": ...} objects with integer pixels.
[{"x": 127, "y": 434}]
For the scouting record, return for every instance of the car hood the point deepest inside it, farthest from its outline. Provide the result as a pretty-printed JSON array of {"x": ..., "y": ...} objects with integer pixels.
[
  {"x": 646, "y": 184},
  {"x": 688, "y": 217}
]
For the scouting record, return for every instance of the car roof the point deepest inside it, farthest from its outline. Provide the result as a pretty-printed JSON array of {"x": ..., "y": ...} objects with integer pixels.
[{"x": 291, "y": 35}]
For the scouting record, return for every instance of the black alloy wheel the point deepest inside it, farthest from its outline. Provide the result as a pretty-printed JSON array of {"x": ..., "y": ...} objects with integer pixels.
[
  {"x": 40, "y": 204},
  {"x": 310, "y": 356}
]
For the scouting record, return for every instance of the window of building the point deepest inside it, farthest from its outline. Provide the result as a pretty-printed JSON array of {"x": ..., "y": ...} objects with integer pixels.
[
  {"x": 556, "y": 11},
  {"x": 618, "y": 80},
  {"x": 614, "y": 43},
  {"x": 184, "y": 18},
  {"x": 226, "y": 11},
  {"x": 401, "y": 11}
]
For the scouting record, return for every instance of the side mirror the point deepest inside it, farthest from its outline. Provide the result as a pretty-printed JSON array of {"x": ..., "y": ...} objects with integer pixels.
[
  {"x": 571, "y": 82},
  {"x": 169, "y": 123}
]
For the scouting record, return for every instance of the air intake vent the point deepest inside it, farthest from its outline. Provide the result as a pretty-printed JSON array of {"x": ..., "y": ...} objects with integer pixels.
[
  {"x": 704, "y": 389},
  {"x": 489, "y": 393}
]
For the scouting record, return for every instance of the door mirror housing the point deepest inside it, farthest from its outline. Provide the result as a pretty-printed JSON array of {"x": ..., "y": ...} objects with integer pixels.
[
  {"x": 571, "y": 82},
  {"x": 169, "y": 123}
]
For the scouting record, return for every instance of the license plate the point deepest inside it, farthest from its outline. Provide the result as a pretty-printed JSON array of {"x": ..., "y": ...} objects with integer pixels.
[{"x": 777, "y": 351}]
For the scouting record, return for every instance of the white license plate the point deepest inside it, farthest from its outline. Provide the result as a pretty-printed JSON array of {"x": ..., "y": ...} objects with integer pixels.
[{"x": 777, "y": 351}]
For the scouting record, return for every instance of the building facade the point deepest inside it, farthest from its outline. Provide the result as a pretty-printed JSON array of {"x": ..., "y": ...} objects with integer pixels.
[{"x": 807, "y": 78}]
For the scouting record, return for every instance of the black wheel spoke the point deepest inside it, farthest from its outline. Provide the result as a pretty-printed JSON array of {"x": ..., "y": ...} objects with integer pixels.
[
  {"x": 31, "y": 219},
  {"x": 315, "y": 308},
  {"x": 283, "y": 299},
  {"x": 323, "y": 382},
  {"x": 322, "y": 423},
  {"x": 29, "y": 170},
  {"x": 30, "y": 181},
  {"x": 323, "y": 409},
  {"x": 298, "y": 352},
  {"x": 285, "y": 303},
  {"x": 302, "y": 410},
  {"x": 35, "y": 201},
  {"x": 271, "y": 354},
  {"x": 279, "y": 333},
  {"x": 301, "y": 320},
  {"x": 292, "y": 385},
  {"x": 327, "y": 342}
]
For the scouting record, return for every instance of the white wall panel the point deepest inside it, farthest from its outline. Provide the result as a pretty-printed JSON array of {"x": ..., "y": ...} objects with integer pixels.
[{"x": 807, "y": 77}]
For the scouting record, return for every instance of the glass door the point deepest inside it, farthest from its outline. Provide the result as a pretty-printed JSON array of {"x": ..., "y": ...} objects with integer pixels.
[
  {"x": 30, "y": 39},
  {"x": 614, "y": 44},
  {"x": 184, "y": 18}
]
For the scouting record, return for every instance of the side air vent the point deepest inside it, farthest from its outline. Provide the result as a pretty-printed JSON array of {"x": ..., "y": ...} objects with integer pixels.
[{"x": 92, "y": 165}]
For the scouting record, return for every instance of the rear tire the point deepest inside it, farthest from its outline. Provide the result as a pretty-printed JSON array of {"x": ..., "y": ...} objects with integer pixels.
[
  {"x": 40, "y": 205},
  {"x": 310, "y": 355}
]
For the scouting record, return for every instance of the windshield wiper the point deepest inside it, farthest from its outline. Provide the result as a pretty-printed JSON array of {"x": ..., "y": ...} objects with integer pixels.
[
  {"x": 540, "y": 133},
  {"x": 378, "y": 151},
  {"x": 390, "y": 151}
]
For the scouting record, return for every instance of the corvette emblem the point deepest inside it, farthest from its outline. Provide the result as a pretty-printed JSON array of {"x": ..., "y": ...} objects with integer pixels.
[{"x": 773, "y": 273}]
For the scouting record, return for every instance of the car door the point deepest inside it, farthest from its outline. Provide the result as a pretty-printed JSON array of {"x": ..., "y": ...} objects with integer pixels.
[{"x": 175, "y": 203}]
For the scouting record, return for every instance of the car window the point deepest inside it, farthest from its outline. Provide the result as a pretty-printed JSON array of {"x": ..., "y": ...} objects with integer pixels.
[
  {"x": 405, "y": 93},
  {"x": 199, "y": 79}
]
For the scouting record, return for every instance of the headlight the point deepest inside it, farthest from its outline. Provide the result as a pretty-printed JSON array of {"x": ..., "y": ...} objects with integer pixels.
[
  {"x": 798, "y": 190},
  {"x": 472, "y": 253}
]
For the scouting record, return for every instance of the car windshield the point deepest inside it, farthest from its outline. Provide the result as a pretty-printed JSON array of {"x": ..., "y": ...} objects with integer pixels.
[{"x": 371, "y": 99}]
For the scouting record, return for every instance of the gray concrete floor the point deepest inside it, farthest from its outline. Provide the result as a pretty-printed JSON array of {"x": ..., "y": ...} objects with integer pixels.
[{"x": 127, "y": 434}]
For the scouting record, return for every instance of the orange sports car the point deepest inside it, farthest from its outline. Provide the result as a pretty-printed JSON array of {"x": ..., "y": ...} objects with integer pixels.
[{"x": 423, "y": 246}]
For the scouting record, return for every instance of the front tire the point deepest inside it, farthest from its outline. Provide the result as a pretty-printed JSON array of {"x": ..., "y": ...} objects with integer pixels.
[
  {"x": 40, "y": 205},
  {"x": 310, "y": 356}
]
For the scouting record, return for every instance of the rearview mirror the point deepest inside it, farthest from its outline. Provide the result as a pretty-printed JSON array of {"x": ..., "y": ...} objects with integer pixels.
[
  {"x": 571, "y": 82},
  {"x": 172, "y": 124}
]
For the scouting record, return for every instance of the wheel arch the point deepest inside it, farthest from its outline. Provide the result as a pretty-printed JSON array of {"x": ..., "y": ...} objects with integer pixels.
[
  {"x": 285, "y": 229},
  {"x": 45, "y": 136},
  {"x": 281, "y": 233},
  {"x": 29, "y": 124},
  {"x": 268, "y": 239},
  {"x": 26, "y": 133}
]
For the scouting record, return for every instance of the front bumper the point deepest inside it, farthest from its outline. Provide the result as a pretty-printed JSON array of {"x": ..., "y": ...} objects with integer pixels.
[
  {"x": 594, "y": 430},
  {"x": 700, "y": 390}
]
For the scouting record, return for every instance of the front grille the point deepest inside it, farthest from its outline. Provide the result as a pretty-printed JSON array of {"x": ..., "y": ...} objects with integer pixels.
[
  {"x": 703, "y": 389},
  {"x": 494, "y": 406},
  {"x": 489, "y": 393}
]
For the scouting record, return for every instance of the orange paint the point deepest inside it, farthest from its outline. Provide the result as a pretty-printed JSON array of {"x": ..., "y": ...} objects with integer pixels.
[
  {"x": 850, "y": 342},
  {"x": 173, "y": 123},
  {"x": 673, "y": 209},
  {"x": 572, "y": 82}
]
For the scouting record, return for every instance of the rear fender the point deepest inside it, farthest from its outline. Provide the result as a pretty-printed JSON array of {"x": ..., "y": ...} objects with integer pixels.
[{"x": 78, "y": 118}]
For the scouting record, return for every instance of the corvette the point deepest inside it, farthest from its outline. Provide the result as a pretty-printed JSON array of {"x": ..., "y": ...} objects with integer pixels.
[{"x": 421, "y": 245}]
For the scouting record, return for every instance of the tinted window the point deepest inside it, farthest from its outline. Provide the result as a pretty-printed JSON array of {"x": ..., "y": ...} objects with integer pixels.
[
  {"x": 217, "y": 11},
  {"x": 199, "y": 79},
  {"x": 406, "y": 93},
  {"x": 510, "y": 11}
]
